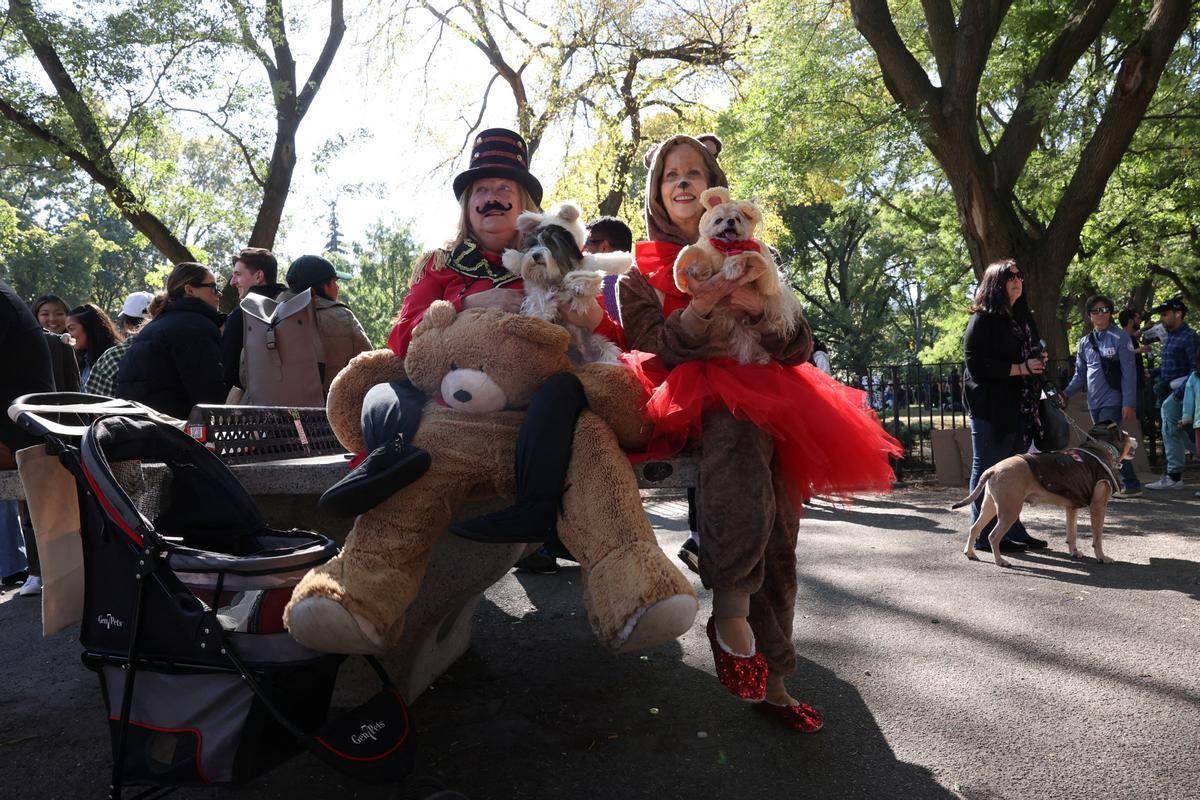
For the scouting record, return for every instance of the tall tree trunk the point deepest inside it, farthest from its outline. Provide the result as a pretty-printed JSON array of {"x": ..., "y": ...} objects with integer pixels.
[
  {"x": 275, "y": 192},
  {"x": 984, "y": 183}
]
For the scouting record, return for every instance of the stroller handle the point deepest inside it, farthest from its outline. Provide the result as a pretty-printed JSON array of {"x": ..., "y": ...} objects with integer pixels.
[{"x": 39, "y": 414}]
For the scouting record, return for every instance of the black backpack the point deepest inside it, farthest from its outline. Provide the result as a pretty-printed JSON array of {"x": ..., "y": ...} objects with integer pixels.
[{"x": 1111, "y": 366}]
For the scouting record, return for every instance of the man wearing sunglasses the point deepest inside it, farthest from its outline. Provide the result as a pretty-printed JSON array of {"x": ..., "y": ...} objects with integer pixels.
[{"x": 1106, "y": 367}]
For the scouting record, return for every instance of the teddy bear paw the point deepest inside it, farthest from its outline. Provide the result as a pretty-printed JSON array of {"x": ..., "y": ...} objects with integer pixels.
[
  {"x": 327, "y": 626},
  {"x": 658, "y": 623}
]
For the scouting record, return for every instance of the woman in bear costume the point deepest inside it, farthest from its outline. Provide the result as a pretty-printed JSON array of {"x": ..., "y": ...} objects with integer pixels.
[{"x": 770, "y": 434}]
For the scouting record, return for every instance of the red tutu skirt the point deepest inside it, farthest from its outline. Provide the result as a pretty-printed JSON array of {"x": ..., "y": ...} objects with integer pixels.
[{"x": 827, "y": 439}]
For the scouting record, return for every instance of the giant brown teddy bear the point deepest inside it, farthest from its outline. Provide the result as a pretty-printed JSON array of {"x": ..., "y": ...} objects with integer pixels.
[{"x": 356, "y": 602}]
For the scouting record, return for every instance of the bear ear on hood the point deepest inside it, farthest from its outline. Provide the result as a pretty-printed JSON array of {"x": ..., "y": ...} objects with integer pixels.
[
  {"x": 711, "y": 198},
  {"x": 712, "y": 142},
  {"x": 528, "y": 222},
  {"x": 537, "y": 331},
  {"x": 568, "y": 211},
  {"x": 752, "y": 211},
  {"x": 648, "y": 159}
]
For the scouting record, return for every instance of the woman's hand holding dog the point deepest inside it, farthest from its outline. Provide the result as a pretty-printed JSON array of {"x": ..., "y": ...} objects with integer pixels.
[
  {"x": 745, "y": 301},
  {"x": 706, "y": 294},
  {"x": 503, "y": 299}
]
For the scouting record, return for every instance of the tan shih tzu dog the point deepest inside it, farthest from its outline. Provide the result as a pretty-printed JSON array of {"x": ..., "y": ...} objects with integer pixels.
[
  {"x": 727, "y": 245},
  {"x": 555, "y": 271}
]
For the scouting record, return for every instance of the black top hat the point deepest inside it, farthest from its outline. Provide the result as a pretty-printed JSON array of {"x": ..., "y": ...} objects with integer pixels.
[{"x": 499, "y": 153}]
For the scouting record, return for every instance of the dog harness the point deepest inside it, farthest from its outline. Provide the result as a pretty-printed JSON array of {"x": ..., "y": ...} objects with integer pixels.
[{"x": 1072, "y": 473}]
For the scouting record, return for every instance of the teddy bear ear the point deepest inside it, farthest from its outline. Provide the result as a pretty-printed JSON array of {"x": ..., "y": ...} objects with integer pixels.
[
  {"x": 648, "y": 159},
  {"x": 535, "y": 330},
  {"x": 440, "y": 314},
  {"x": 711, "y": 142},
  {"x": 711, "y": 198}
]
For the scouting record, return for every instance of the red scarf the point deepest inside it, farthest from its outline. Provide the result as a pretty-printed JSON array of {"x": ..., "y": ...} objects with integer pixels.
[
  {"x": 727, "y": 248},
  {"x": 656, "y": 260}
]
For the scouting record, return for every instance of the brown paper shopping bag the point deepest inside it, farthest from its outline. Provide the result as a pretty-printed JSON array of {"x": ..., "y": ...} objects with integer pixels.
[{"x": 54, "y": 509}]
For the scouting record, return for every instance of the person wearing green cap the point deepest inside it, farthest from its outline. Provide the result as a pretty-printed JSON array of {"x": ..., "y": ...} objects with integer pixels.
[{"x": 342, "y": 335}]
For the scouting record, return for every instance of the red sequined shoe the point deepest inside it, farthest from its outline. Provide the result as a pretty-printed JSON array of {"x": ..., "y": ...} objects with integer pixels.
[
  {"x": 744, "y": 676},
  {"x": 801, "y": 717}
]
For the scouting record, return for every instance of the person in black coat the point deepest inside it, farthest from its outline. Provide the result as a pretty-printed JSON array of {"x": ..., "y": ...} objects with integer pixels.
[
  {"x": 175, "y": 361},
  {"x": 1004, "y": 361}
]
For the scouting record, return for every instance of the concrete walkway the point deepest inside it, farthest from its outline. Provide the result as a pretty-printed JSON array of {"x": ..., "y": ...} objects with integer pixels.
[{"x": 939, "y": 678}]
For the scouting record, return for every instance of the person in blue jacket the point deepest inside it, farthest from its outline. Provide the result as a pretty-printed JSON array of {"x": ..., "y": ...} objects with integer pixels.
[{"x": 1105, "y": 367}]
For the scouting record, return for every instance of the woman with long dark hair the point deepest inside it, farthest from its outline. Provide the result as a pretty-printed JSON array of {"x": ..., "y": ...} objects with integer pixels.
[
  {"x": 1005, "y": 358},
  {"x": 93, "y": 332},
  {"x": 174, "y": 363}
]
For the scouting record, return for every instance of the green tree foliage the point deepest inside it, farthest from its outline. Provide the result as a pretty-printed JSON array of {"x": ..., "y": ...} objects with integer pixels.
[
  {"x": 98, "y": 85},
  {"x": 588, "y": 177},
  {"x": 1050, "y": 106},
  {"x": 383, "y": 268}
]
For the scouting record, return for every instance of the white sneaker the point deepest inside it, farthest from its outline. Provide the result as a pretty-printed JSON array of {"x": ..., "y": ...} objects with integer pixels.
[
  {"x": 1126, "y": 494},
  {"x": 32, "y": 585},
  {"x": 1165, "y": 482}
]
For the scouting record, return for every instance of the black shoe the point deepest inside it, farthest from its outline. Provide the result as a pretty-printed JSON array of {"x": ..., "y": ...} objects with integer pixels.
[
  {"x": 1033, "y": 543},
  {"x": 14, "y": 579},
  {"x": 538, "y": 561},
  {"x": 1006, "y": 546},
  {"x": 389, "y": 468},
  {"x": 689, "y": 554},
  {"x": 527, "y": 521}
]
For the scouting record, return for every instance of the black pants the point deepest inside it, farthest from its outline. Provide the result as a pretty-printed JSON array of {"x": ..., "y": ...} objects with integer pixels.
[{"x": 543, "y": 441}]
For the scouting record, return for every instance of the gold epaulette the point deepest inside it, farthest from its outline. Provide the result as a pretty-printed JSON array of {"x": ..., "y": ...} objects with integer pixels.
[{"x": 430, "y": 260}]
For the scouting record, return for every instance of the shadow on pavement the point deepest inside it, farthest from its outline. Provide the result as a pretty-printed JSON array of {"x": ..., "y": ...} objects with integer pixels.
[
  {"x": 537, "y": 709},
  {"x": 1161, "y": 574}
]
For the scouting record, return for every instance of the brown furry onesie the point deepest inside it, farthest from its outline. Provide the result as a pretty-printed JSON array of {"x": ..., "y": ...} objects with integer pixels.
[{"x": 747, "y": 523}]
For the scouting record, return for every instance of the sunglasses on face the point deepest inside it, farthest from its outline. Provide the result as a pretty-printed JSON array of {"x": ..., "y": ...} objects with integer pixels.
[
  {"x": 212, "y": 286},
  {"x": 1016, "y": 276},
  {"x": 1100, "y": 310}
]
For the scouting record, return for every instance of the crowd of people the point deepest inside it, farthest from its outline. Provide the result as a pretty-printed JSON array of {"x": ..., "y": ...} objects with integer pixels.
[
  {"x": 169, "y": 351},
  {"x": 175, "y": 349}
]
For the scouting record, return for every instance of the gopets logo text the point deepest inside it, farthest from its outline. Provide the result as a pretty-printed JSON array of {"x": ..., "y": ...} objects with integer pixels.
[
  {"x": 109, "y": 621},
  {"x": 369, "y": 729}
]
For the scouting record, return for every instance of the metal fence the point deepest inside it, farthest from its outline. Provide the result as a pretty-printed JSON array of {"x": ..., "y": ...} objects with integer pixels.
[{"x": 913, "y": 400}]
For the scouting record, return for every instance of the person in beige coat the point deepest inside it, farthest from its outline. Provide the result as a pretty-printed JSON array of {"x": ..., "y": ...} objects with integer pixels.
[{"x": 342, "y": 336}]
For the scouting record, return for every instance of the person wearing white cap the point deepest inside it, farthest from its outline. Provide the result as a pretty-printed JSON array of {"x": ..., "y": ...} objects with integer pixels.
[
  {"x": 103, "y": 377},
  {"x": 135, "y": 310}
]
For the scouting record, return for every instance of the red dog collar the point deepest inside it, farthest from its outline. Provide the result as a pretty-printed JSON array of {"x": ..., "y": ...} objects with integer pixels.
[{"x": 727, "y": 248}]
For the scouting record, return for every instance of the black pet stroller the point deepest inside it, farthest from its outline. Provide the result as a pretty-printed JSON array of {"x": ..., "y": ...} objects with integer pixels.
[{"x": 185, "y": 585}]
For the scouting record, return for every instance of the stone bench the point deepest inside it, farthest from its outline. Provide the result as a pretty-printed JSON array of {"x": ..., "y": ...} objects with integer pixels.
[{"x": 438, "y": 627}]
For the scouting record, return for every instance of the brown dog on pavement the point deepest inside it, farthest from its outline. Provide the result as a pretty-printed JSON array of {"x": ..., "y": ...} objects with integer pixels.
[{"x": 1075, "y": 478}]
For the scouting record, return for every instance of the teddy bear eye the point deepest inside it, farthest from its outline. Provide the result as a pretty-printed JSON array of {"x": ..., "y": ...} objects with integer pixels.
[{"x": 453, "y": 366}]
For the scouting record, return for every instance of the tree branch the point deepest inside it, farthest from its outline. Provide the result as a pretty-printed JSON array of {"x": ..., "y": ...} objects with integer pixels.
[
  {"x": 902, "y": 73},
  {"x": 1134, "y": 86},
  {"x": 1025, "y": 125},
  {"x": 333, "y": 40}
]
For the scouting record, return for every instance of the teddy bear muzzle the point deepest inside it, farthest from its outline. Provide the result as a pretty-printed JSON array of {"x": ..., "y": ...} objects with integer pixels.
[{"x": 472, "y": 391}]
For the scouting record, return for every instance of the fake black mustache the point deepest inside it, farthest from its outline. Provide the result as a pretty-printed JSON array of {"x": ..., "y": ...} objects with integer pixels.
[{"x": 493, "y": 205}]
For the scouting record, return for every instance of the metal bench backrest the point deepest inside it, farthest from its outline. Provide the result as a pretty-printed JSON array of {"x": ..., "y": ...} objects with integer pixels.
[{"x": 247, "y": 434}]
